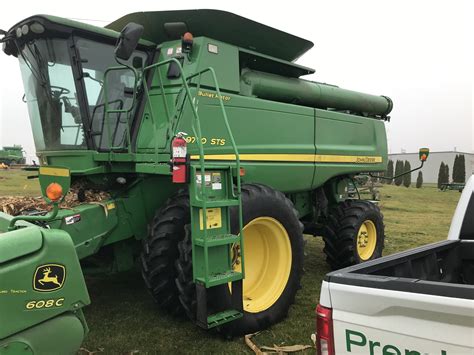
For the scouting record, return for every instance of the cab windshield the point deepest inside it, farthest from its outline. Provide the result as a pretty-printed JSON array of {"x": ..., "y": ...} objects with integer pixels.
[{"x": 66, "y": 104}]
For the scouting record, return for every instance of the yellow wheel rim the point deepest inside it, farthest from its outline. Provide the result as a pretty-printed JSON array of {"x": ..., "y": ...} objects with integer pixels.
[
  {"x": 267, "y": 257},
  {"x": 366, "y": 240}
]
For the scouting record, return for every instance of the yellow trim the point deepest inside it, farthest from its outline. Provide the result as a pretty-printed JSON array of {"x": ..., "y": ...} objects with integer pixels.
[
  {"x": 348, "y": 159},
  {"x": 268, "y": 259},
  {"x": 366, "y": 240},
  {"x": 310, "y": 158},
  {"x": 53, "y": 171}
]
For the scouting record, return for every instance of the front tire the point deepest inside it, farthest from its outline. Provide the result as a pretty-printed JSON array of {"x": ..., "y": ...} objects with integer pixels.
[
  {"x": 354, "y": 233},
  {"x": 273, "y": 257},
  {"x": 160, "y": 251}
]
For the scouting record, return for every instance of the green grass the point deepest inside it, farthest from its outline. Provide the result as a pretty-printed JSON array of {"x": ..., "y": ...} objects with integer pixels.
[
  {"x": 14, "y": 182},
  {"x": 123, "y": 318}
]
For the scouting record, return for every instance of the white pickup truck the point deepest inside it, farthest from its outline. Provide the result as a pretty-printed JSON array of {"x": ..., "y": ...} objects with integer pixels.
[{"x": 417, "y": 302}]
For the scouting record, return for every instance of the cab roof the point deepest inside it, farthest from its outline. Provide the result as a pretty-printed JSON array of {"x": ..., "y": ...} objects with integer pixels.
[{"x": 219, "y": 25}]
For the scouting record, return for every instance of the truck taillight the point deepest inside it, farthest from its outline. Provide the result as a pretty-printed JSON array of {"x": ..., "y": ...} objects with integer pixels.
[{"x": 324, "y": 331}]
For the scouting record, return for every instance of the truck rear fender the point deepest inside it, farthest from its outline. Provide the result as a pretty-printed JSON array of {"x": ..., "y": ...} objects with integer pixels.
[
  {"x": 464, "y": 210},
  {"x": 396, "y": 316},
  {"x": 325, "y": 296}
]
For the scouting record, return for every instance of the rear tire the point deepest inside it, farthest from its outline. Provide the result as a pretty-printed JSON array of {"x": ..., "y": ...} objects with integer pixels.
[
  {"x": 354, "y": 233},
  {"x": 160, "y": 251},
  {"x": 273, "y": 233}
]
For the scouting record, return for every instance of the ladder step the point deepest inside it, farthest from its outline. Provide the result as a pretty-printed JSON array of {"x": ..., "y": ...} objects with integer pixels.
[
  {"x": 222, "y": 317},
  {"x": 216, "y": 203},
  {"x": 216, "y": 240},
  {"x": 221, "y": 278}
]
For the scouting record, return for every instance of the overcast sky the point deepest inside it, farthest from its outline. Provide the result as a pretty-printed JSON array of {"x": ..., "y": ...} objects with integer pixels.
[{"x": 420, "y": 53}]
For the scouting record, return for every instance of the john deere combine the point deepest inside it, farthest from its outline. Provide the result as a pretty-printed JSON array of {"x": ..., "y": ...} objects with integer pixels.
[
  {"x": 179, "y": 113},
  {"x": 12, "y": 155}
]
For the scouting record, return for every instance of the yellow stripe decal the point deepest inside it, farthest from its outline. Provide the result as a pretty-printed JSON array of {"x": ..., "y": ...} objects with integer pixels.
[
  {"x": 309, "y": 158},
  {"x": 53, "y": 171},
  {"x": 348, "y": 159}
]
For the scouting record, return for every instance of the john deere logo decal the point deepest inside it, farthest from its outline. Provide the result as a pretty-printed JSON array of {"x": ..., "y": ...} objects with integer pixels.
[{"x": 49, "y": 277}]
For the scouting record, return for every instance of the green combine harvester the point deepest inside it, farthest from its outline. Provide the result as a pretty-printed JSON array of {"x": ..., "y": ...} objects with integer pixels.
[
  {"x": 12, "y": 155},
  {"x": 216, "y": 157}
]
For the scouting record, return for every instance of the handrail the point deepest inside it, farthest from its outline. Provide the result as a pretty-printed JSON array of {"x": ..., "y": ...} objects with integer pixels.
[
  {"x": 120, "y": 111},
  {"x": 46, "y": 218},
  {"x": 196, "y": 124},
  {"x": 196, "y": 127}
]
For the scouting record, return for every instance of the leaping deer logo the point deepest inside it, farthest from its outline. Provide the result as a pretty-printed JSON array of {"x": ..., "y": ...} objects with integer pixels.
[
  {"x": 49, "y": 277},
  {"x": 46, "y": 278}
]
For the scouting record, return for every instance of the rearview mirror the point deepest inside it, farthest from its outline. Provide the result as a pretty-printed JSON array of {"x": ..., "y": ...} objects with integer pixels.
[{"x": 128, "y": 40}]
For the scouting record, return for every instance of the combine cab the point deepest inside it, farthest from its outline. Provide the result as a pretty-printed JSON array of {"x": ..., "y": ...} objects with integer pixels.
[{"x": 213, "y": 157}]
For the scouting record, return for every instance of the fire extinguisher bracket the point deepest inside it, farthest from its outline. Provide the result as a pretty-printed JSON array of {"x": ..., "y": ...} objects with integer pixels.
[{"x": 179, "y": 160}]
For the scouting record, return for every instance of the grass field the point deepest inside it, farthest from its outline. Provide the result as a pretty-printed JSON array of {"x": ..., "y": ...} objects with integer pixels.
[
  {"x": 123, "y": 318},
  {"x": 15, "y": 183}
]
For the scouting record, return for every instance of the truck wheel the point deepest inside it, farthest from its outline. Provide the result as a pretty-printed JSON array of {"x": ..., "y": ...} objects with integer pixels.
[
  {"x": 273, "y": 256},
  {"x": 160, "y": 251},
  {"x": 354, "y": 234}
]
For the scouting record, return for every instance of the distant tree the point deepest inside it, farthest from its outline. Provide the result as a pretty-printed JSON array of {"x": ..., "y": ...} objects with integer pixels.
[
  {"x": 389, "y": 172},
  {"x": 456, "y": 168},
  {"x": 398, "y": 171},
  {"x": 419, "y": 180},
  {"x": 446, "y": 174},
  {"x": 407, "y": 177},
  {"x": 441, "y": 173},
  {"x": 461, "y": 170}
]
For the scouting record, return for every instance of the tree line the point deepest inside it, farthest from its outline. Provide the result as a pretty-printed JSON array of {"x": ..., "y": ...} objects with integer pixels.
[
  {"x": 399, "y": 167},
  {"x": 459, "y": 171}
]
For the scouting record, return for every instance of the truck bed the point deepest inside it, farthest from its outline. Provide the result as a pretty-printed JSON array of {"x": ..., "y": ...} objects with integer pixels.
[{"x": 443, "y": 269}]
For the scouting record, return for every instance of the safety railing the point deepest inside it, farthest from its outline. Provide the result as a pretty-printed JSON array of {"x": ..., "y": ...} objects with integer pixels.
[{"x": 196, "y": 125}]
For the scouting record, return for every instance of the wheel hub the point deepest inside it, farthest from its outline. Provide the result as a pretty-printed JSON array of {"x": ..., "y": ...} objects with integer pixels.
[
  {"x": 268, "y": 258},
  {"x": 366, "y": 240}
]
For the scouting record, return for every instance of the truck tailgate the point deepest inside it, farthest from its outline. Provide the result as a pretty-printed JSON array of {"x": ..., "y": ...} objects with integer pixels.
[{"x": 400, "y": 322}]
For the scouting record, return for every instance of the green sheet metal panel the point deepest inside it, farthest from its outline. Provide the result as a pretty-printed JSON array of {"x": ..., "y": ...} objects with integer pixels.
[
  {"x": 348, "y": 144},
  {"x": 22, "y": 292},
  {"x": 222, "y": 26},
  {"x": 272, "y": 138}
]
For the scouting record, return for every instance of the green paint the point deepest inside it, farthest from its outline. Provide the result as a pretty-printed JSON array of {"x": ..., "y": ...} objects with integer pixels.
[
  {"x": 60, "y": 309},
  {"x": 288, "y": 133},
  {"x": 355, "y": 340},
  {"x": 372, "y": 346},
  {"x": 391, "y": 350},
  {"x": 13, "y": 154},
  {"x": 414, "y": 352}
]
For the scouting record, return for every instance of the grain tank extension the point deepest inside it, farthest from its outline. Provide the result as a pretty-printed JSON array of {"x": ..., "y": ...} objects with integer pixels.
[
  {"x": 205, "y": 152},
  {"x": 308, "y": 93}
]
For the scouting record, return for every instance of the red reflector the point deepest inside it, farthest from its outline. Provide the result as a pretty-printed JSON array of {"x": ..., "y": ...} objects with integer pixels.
[
  {"x": 324, "y": 331},
  {"x": 242, "y": 172}
]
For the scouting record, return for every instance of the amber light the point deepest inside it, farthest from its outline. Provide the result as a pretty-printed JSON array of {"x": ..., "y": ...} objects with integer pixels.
[
  {"x": 54, "y": 192},
  {"x": 188, "y": 37},
  {"x": 187, "y": 42},
  {"x": 423, "y": 157}
]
